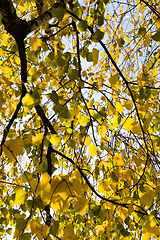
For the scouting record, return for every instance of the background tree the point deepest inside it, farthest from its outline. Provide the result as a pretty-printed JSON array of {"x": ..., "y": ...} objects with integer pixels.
[{"x": 79, "y": 106}]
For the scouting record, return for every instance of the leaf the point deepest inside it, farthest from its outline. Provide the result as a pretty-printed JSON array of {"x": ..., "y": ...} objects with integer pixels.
[
  {"x": 54, "y": 228},
  {"x": 87, "y": 141},
  {"x": 147, "y": 198},
  {"x": 141, "y": 31},
  {"x": 69, "y": 233},
  {"x": 95, "y": 54},
  {"x": 59, "y": 13},
  {"x": 146, "y": 236},
  {"x": 97, "y": 35},
  {"x": 92, "y": 150},
  {"x": 36, "y": 98},
  {"x": 82, "y": 26},
  {"x": 37, "y": 139},
  {"x": 119, "y": 107},
  {"x": 25, "y": 236},
  {"x": 84, "y": 120},
  {"x": 114, "y": 79},
  {"x": 28, "y": 100},
  {"x": 44, "y": 181},
  {"x": 20, "y": 223},
  {"x": 13, "y": 148},
  {"x": 119, "y": 160},
  {"x": 127, "y": 123},
  {"x": 81, "y": 206},
  {"x": 20, "y": 196},
  {"x": 103, "y": 131},
  {"x": 34, "y": 43},
  {"x": 54, "y": 97},
  {"x": 54, "y": 139},
  {"x": 128, "y": 104},
  {"x": 156, "y": 36},
  {"x": 145, "y": 93},
  {"x": 100, "y": 229}
]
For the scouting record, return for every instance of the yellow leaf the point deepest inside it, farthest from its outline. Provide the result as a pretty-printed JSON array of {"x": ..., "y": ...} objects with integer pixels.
[
  {"x": 57, "y": 203},
  {"x": 62, "y": 189},
  {"x": 128, "y": 104},
  {"x": 116, "y": 121},
  {"x": 13, "y": 148},
  {"x": 119, "y": 160},
  {"x": 44, "y": 181},
  {"x": 68, "y": 233},
  {"x": 92, "y": 150},
  {"x": 33, "y": 183},
  {"x": 147, "y": 198},
  {"x": 77, "y": 187},
  {"x": 84, "y": 120},
  {"x": 32, "y": 71},
  {"x": 20, "y": 196},
  {"x": 87, "y": 141},
  {"x": 119, "y": 107},
  {"x": 47, "y": 193},
  {"x": 54, "y": 139},
  {"x": 103, "y": 130},
  {"x": 36, "y": 140},
  {"x": 136, "y": 160},
  {"x": 81, "y": 206},
  {"x": 45, "y": 231},
  {"x": 135, "y": 128},
  {"x": 157, "y": 23},
  {"x": 127, "y": 123},
  {"x": 95, "y": 54},
  {"x": 114, "y": 79},
  {"x": 102, "y": 54},
  {"x": 100, "y": 229},
  {"x": 28, "y": 100},
  {"x": 35, "y": 42},
  {"x": 146, "y": 236}
]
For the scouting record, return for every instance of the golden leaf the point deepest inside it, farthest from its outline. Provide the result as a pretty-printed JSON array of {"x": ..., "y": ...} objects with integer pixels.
[
  {"x": 92, "y": 150},
  {"x": 35, "y": 42},
  {"x": 36, "y": 140},
  {"x": 20, "y": 196}
]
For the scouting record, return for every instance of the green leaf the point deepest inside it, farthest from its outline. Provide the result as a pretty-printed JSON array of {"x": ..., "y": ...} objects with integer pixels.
[
  {"x": 120, "y": 41},
  {"x": 36, "y": 98},
  {"x": 71, "y": 143},
  {"x": 59, "y": 13},
  {"x": 65, "y": 113},
  {"x": 82, "y": 26},
  {"x": 29, "y": 205},
  {"x": 54, "y": 228},
  {"x": 61, "y": 61},
  {"x": 145, "y": 93},
  {"x": 73, "y": 74},
  {"x": 141, "y": 31},
  {"x": 9, "y": 231},
  {"x": 98, "y": 35},
  {"x": 25, "y": 236},
  {"x": 38, "y": 203},
  {"x": 89, "y": 57},
  {"x": 54, "y": 97},
  {"x": 156, "y": 36},
  {"x": 20, "y": 223},
  {"x": 53, "y": 65}
]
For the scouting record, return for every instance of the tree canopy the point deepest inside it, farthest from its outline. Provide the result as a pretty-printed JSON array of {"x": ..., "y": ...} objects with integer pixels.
[{"x": 79, "y": 119}]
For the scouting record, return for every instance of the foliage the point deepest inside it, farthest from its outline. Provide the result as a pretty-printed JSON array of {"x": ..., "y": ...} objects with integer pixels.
[{"x": 79, "y": 107}]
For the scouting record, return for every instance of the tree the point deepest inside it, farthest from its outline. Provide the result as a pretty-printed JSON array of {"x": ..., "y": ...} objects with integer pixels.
[{"x": 79, "y": 105}]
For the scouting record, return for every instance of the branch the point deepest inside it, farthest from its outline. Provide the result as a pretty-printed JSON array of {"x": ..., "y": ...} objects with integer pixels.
[
  {"x": 92, "y": 188},
  {"x": 44, "y": 119}
]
